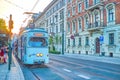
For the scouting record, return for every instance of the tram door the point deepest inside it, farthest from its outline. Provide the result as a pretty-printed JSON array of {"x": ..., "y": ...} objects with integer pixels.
[{"x": 97, "y": 44}]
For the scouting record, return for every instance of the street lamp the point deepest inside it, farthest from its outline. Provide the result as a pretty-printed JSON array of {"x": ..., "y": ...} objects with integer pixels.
[
  {"x": 10, "y": 49},
  {"x": 63, "y": 34}
]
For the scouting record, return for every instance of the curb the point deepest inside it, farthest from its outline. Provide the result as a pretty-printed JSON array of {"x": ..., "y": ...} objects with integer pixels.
[{"x": 18, "y": 67}]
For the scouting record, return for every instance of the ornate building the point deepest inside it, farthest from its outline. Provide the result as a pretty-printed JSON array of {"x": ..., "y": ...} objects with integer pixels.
[
  {"x": 93, "y": 27},
  {"x": 53, "y": 19}
]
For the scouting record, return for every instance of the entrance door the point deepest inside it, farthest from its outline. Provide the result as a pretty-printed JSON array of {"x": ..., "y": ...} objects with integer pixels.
[{"x": 97, "y": 42}]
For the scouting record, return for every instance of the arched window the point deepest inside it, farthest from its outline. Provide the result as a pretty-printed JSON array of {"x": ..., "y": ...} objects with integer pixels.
[{"x": 110, "y": 8}]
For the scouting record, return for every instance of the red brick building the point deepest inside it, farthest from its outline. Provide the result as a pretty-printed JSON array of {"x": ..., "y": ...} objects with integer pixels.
[{"x": 93, "y": 27}]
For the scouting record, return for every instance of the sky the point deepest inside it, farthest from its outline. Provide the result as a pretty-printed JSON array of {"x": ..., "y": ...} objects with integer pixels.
[{"x": 17, "y": 9}]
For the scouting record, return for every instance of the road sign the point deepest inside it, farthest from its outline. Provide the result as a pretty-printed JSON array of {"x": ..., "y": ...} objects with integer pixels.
[{"x": 101, "y": 39}]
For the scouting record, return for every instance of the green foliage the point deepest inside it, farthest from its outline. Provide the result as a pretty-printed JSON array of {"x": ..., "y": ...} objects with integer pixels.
[
  {"x": 56, "y": 39},
  {"x": 53, "y": 48},
  {"x": 51, "y": 40},
  {"x": 3, "y": 30},
  {"x": 54, "y": 52},
  {"x": 60, "y": 39},
  {"x": 3, "y": 27}
]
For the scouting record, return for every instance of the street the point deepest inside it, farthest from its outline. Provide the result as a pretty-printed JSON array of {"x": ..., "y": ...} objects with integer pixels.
[{"x": 67, "y": 68}]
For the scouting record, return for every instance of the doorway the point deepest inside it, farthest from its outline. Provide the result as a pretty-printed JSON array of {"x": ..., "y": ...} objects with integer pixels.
[{"x": 97, "y": 45}]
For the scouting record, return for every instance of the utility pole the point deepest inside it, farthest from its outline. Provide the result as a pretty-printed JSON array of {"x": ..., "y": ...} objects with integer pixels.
[
  {"x": 10, "y": 49},
  {"x": 63, "y": 39},
  {"x": 62, "y": 33}
]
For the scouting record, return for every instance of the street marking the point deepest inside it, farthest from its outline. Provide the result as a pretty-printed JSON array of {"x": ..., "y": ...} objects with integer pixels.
[
  {"x": 67, "y": 70},
  {"x": 83, "y": 76}
]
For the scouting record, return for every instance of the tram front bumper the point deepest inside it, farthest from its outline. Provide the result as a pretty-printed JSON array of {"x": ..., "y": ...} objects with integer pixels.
[{"x": 39, "y": 61}]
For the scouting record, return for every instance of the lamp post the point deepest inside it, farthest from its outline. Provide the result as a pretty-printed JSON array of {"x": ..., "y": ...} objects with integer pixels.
[
  {"x": 63, "y": 39},
  {"x": 10, "y": 49},
  {"x": 63, "y": 35}
]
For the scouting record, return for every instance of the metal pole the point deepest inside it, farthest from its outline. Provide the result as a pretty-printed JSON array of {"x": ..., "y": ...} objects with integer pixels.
[
  {"x": 10, "y": 49},
  {"x": 63, "y": 37},
  {"x": 9, "y": 54}
]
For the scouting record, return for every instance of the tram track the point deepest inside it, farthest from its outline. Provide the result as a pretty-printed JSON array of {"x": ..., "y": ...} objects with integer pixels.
[{"x": 28, "y": 70}]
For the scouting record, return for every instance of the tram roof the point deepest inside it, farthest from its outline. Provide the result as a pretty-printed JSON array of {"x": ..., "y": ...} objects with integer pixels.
[{"x": 35, "y": 30}]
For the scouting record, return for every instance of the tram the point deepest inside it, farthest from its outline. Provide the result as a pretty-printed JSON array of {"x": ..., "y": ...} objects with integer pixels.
[{"x": 33, "y": 46}]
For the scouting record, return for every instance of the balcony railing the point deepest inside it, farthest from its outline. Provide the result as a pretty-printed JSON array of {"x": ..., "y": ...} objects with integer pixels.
[
  {"x": 95, "y": 25},
  {"x": 95, "y": 5}
]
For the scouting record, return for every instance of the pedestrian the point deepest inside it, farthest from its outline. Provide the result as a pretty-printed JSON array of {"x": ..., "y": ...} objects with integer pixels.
[
  {"x": 5, "y": 53},
  {"x": 1, "y": 56}
]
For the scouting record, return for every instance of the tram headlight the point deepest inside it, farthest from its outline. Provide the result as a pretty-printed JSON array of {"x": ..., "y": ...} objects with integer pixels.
[{"x": 39, "y": 54}]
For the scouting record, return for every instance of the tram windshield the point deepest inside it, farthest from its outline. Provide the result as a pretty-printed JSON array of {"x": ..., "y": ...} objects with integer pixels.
[{"x": 38, "y": 42}]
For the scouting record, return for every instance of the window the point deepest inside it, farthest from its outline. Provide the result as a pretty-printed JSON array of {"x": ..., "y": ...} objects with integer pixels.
[
  {"x": 73, "y": 42},
  {"x": 62, "y": 14},
  {"x": 52, "y": 19},
  {"x": 110, "y": 8},
  {"x": 69, "y": 1},
  {"x": 68, "y": 42},
  {"x": 56, "y": 29},
  {"x": 68, "y": 26},
  {"x": 63, "y": 2},
  {"x": 73, "y": 26},
  {"x": 37, "y": 42},
  {"x": 96, "y": 1},
  {"x": 86, "y": 3},
  {"x": 56, "y": 17},
  {"x": 79, "y": 41},
  {"x": 79, "y": 24},
  {"x": 87, "y": 41},
  {"x": 68, "y": 13},
  {"x": 61, "y": 26},
  {"x": 111, "y": 38},
  {"x": 73, "y": 11},
  {"x": 79, "y": 7},
  {"x": 86, "y": 21},
  {"x": 96, "y": 18},
  {"x": 110, "y": 15}
]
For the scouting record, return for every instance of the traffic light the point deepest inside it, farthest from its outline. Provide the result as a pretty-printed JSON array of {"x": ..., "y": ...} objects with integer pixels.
[{"x": 10, "y": 23}]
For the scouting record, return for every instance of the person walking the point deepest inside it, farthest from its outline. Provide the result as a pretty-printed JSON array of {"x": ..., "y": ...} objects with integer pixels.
[
  {"x": 5, "y": 53},
  {"x": 1, "y": 56}
]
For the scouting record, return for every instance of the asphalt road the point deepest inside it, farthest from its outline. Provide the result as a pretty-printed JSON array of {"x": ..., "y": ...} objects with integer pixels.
[{"x": 66, "y": 68}]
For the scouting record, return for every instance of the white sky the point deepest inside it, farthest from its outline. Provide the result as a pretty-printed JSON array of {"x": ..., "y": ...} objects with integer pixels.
[{"x": 17, "y": 8}]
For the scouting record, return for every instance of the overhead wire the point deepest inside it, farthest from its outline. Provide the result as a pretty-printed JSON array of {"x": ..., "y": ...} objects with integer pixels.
[{"x": 34, "y": 6}]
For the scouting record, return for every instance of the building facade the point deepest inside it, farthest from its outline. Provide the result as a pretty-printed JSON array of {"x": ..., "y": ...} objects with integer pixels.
[
  {"x": 93, "y": 27},
  {"x": 55, "y": 23},
  {"x": 53, "y": 19}
]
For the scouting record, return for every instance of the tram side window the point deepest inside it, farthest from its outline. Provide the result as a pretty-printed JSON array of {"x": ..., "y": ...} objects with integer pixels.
[{"x": 37, "y": 42}]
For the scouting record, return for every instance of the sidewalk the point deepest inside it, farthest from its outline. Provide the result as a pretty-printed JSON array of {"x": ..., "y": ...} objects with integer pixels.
[
  {"x": 14, "y": 74},
  {"x": 112, "y": 60}
]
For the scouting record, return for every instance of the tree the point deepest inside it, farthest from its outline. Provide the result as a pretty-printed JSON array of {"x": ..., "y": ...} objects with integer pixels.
[
  {"x": 3, "y": 30},
  {"x": 3, "y": 27}
]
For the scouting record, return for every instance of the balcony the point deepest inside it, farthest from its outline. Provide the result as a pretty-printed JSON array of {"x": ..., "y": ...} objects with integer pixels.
[
  {"x": 95, "y": 26},
  {"x": 95, "y": 5}
]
